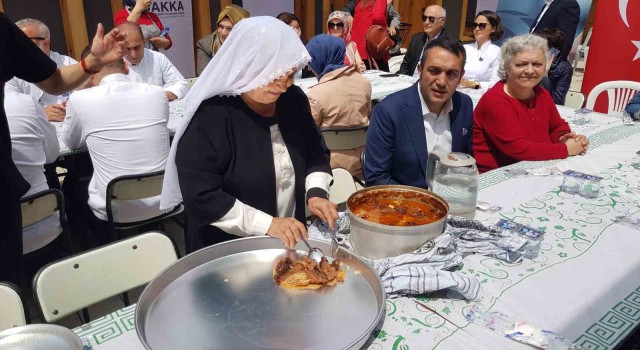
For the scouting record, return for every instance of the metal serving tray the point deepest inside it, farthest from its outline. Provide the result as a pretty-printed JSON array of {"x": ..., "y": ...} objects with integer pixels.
[
  {"x": 224, "y": 297},
  {"x": 39, "y": 337}
]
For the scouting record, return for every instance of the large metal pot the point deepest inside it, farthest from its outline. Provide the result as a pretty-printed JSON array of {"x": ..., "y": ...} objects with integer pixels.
[{"x": 376, "y": 241}]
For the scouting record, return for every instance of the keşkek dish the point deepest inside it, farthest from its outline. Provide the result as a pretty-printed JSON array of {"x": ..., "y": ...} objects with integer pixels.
[
  {"x": 307, "y": 273},
  {"x": 398, "y": 208}
]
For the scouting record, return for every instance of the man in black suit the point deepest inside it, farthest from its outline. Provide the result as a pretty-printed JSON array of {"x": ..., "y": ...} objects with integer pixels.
[
  {"x": 561, "y": 14},
  {"x": 433, "y": 19}
]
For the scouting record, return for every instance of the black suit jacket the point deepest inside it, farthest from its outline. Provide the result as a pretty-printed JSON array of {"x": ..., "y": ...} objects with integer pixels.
[
  {"x": 410, "y": 61},
  {"x": 564, "y": 15}
]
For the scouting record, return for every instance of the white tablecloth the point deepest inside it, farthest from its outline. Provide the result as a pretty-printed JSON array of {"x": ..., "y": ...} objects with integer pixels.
[
  {"x": 381, "y": 87},
  {"x": 584, "y": 285}
]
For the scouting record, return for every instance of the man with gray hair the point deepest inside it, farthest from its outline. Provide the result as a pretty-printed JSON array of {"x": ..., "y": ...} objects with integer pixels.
[
  {"x": 433, "y": 20},
  {"x": 54, "y": 106}
]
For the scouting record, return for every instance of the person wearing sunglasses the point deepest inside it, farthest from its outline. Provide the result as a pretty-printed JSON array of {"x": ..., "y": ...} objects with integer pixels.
[
  {"x": 209, "y": 45},
  {"x": 40, "y": 35},
  {"x": 433, "y": 20},
  {"x": 339, "y": 25},
  {"x": 367, "y": 13},
  {"x": 483, "y": 57}
]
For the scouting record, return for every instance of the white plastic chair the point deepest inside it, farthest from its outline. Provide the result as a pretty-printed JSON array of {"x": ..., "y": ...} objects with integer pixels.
[
  {"x": 339, "y": 139},
  {"x": 394, "y": 63},
  {"x": 12, "y": 310},
  {"x": 342, "y": 187},
  {"x": 574, "y": 100},
  {"x": 619, "y": 93},
  {"x": 69, "y": 285}
]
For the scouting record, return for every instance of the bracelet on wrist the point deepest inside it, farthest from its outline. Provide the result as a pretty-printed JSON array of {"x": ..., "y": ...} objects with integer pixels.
[{"x": 86, "y": 69}]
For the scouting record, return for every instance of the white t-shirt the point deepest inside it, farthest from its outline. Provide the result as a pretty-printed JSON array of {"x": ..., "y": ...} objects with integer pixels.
[{"x": 124, "y": 126}]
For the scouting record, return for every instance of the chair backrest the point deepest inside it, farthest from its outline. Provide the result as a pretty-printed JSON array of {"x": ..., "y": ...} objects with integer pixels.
[
  {"x": 74, "y": 283},
  {"x": 12, "y": 312},
  {"x": 619, "y": 93},
  {"x": 342, "y": 187},
  {"x": 42, "y": 205},
  {"x": 139, "y": 186},
  {"x": 574, "y": 100},
  {"x": 403, "y": 31},
  {"x": 343, "y": 139}
]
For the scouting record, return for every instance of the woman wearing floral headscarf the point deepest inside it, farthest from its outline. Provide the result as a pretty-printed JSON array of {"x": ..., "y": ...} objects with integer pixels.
[
  {"x": 339, "y": 25},
  {"x": 342, "y": 97},
  {"x": 209, "y": 45},
  {"x": 248, "y": 156}
]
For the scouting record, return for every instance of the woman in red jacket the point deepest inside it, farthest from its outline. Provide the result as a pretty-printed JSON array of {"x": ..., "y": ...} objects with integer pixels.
[
  {"x": 365, "y": 14},
  {"x": 516, "y": 119},
  {"x": 137, "y": 11}
]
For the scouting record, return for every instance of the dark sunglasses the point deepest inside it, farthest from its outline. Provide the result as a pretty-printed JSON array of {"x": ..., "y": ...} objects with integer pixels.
[
  {"x": 482, "y": 26},
  {"x": 431, "y": 19},
  {"x": 338, "y": 25},
  {"x": 37, "y": 38}
]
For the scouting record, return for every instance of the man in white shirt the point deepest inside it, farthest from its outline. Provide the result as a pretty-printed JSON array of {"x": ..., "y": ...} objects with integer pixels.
[
  {"x": 34, "y": 143},
  {"x": 53, "y": 106},
  {"x": 430, "y": 115},
  {"x": 124, "y": 126},
  {"x": 151, "y": 67}
]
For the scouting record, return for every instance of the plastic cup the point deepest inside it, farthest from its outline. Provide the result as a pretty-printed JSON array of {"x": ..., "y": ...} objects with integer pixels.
[{"x": 571, "y": 184}]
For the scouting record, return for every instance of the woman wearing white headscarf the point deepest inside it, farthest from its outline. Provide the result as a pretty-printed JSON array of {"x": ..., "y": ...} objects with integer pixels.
[{"x": 249, "y": 150}]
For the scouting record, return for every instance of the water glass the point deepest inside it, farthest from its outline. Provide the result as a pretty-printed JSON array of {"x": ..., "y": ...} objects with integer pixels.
[
  {"x": 581, "y": 116},
  {"x": 590, "y": 188},
  {"x": 571, "y": 184}
]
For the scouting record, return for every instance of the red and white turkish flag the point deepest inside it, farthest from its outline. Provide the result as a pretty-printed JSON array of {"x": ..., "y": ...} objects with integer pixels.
[{"x": 614, "y": 52}]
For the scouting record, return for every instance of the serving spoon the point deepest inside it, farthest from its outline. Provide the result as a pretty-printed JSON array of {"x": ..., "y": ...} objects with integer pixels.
[{"x": 314, "y": 253}]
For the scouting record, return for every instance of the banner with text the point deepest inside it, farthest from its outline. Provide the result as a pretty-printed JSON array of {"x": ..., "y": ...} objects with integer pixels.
[{"x": 176, "y": 14}]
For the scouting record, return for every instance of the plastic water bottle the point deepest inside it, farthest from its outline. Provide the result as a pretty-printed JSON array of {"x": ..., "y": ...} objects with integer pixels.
[{"x": 165, "y": 32}]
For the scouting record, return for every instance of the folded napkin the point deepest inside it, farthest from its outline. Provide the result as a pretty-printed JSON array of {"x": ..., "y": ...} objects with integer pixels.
[
  {"x": 426, "y": 270},
  {"x": 474, "y": 237}
]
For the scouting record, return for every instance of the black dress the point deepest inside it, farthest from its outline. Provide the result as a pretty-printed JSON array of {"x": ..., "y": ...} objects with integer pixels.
[
  {"x": 18, "y": 57},
  {"x": 226, "y": 154}
]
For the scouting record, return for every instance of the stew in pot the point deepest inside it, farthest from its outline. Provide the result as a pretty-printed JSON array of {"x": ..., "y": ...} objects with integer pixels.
[{"x": 398, "y": 208}]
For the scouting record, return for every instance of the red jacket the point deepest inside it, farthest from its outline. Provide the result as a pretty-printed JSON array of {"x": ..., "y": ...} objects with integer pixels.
[
  {"x": 506, "y": 130},
  {"x": 146, "y": 18},
  {"x": 363, "y": 19}
]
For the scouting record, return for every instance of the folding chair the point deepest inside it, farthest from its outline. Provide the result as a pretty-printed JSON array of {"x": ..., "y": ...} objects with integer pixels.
[
  {"x": 13, "y": 313},
  {"x": 42, "y": 205},
  {"x": 75, "y": 283},
  {"x": 135, "y": 187},
  {"x": 619, "y": 93},
  {"x": 574, "y": 100},
  {"x": 339, "y": 139}
]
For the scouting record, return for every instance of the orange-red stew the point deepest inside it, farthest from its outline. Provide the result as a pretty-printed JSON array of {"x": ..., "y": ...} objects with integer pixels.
[{"x": 398, "y": 208}]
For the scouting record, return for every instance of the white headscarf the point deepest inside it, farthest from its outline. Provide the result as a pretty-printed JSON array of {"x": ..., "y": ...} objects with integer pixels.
[{"x": 258, "y": 51}]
